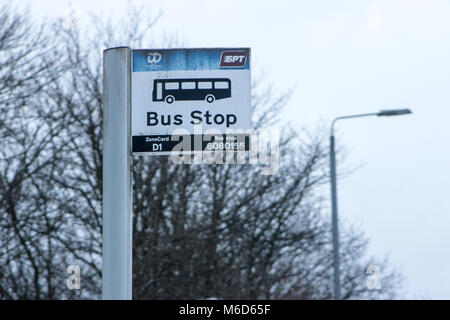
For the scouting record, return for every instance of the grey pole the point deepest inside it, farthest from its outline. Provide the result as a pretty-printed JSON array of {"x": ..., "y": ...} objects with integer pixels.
[
  {"x": 334, "y": 210},
  {"x": 117, "y": 227},
  {"x": 334, "y": 222}
]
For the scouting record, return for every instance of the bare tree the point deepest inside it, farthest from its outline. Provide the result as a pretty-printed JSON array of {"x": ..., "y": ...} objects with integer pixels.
[{"x": 30, "y": 61}]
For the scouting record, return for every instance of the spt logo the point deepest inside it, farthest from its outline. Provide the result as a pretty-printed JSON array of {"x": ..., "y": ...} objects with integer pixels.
[{"x": 233, "y": 58}]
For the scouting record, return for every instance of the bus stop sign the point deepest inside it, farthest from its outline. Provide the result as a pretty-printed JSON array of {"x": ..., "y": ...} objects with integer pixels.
[{"x": 190, "y": 95}]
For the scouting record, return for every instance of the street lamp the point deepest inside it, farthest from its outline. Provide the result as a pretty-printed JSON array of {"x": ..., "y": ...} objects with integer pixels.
[{"x": 334, "y": 216}]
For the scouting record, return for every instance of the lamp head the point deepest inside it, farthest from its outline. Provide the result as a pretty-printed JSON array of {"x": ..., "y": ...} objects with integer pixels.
[{"x": 393, "y": 112}]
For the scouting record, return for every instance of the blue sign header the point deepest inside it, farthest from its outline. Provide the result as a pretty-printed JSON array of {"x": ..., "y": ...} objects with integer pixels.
[{"x": 191, "y": 59}]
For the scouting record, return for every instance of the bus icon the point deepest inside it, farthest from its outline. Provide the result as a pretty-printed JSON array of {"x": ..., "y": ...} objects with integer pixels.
[{"x": 208, "y": 89}]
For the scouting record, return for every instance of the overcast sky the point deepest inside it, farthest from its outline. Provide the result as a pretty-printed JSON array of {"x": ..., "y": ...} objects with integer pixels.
[{"x": 346, "y": 57}]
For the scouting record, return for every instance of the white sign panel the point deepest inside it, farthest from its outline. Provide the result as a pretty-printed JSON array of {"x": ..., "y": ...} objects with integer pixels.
[{"x": 190, "y": 94}]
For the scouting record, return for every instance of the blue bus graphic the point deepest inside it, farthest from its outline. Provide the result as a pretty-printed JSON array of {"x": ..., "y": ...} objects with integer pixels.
[{"x": 208, "y": 89}]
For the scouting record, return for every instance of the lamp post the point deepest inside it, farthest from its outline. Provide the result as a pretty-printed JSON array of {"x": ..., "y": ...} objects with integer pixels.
[{"x": 334, "y": 215}]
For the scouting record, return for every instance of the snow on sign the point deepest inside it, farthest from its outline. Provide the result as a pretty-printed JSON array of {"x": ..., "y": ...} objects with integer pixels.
[{"x": 200, "y": 97}]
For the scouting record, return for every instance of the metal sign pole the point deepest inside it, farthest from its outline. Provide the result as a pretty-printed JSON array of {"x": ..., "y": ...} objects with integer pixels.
[{"x": 117, "y": 224}]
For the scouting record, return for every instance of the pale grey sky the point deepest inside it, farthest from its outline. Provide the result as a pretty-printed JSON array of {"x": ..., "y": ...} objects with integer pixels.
[{"x": 346, "y": 57}]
